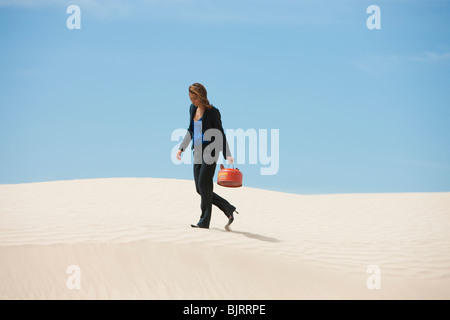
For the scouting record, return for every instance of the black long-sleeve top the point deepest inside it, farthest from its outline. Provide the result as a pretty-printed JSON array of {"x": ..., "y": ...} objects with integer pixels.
[{"x": 211, "y": 119}]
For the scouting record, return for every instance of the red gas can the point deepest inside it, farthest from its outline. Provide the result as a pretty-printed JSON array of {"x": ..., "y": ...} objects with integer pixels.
[{"x": 231, "y": 178}]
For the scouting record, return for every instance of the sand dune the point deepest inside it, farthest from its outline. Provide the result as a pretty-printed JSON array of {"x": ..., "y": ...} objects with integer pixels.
[{"x": 131, "y": 239}]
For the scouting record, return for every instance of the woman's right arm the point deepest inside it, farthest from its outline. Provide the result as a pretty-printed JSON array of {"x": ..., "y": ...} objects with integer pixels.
[
  {"x": 190, "y": 132},
  {"x": 185, "y": 142}
]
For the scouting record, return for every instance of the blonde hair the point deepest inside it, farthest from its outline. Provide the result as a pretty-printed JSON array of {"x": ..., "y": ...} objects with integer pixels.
[{"x": 200, "y": 91}]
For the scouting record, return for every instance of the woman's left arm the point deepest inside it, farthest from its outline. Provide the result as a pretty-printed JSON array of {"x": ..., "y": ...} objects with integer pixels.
[{"x": 226, "y": 148}]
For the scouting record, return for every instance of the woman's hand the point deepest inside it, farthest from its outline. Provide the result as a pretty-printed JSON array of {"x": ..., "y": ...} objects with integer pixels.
[
  {"x": 179, "y": 154},
  {"x": 230, "y": 159}
]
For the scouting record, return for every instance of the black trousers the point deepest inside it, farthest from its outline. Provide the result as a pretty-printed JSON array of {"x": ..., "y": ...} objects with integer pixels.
[{"x": 203, "y": 176}]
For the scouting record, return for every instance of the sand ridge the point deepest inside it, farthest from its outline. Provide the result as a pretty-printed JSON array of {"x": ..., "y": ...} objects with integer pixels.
[{"x": 131, "y": 238}]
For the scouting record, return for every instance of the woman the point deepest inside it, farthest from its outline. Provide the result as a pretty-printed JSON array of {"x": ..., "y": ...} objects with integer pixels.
[{"x": 204, "y": 116}]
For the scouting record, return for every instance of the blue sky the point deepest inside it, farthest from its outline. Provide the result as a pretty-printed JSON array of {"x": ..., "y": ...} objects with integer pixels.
[{"x": 358, "y": 110}]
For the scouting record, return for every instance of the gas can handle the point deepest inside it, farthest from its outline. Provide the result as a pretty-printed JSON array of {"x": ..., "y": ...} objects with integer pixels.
[{"x": 223, "y": 167}]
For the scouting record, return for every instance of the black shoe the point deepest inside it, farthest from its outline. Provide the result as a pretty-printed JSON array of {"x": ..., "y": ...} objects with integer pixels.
[
  {"x": 197, "y": 226},
  {"x": 232, "y": 211},
  {"x": 230, "y": 221}
]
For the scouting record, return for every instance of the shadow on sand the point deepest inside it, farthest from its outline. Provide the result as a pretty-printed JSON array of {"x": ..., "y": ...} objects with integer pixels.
[{"x": 252, "y": 235}]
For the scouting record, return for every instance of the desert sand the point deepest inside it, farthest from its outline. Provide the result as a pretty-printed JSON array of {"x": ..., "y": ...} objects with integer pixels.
[{"x": 130, "y": 238}]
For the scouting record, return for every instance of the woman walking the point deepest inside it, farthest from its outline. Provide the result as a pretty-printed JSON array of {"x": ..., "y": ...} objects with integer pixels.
[{"x": 204, "y": 116}]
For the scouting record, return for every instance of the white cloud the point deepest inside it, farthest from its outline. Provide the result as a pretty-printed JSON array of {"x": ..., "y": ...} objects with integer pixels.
[
  {"x": 381, "y": 64},
  {"x": 426, "y": 164},
  {"x": 102, "y": 8},
  {"x": 377, "y": 64},
  {"x": 431, "y": 57},
  {"x": 306, "y": 12},
  {"x": 32, "y": 3}
]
